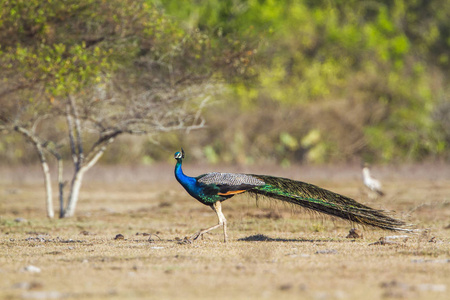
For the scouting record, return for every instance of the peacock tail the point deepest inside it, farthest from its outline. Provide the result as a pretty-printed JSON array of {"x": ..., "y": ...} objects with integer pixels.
[{"x": 321, "y": 200}]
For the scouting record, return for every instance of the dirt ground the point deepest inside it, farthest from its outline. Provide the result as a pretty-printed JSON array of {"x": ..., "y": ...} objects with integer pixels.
[{"x": 274, "y": 252}]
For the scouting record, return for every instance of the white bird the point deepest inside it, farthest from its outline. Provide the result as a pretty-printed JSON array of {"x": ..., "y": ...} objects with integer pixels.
[{"x": 373, "y": 184}]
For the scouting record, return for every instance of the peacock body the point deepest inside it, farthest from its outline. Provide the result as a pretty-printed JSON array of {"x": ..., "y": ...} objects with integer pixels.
[{"x": 213, "y": 188}]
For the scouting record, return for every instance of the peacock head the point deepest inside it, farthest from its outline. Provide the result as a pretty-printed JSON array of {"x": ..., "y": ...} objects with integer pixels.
[{"x": 179, "y": 155}]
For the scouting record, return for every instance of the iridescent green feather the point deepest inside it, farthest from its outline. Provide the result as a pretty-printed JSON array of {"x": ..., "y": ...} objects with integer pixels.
[{"x": 318, "y": 199}]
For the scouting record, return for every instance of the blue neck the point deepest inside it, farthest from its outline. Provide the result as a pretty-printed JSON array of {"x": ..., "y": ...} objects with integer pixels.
[{"x": 187, "y": 182}]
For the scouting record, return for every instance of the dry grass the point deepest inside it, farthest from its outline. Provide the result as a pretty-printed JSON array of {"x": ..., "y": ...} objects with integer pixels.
[{"x": 274, "y": 252}]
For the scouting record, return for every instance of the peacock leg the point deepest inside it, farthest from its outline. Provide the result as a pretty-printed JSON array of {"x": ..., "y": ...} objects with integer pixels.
[
  {"x": 217, "y": 207},
  {"x": 222, "y": 221}
]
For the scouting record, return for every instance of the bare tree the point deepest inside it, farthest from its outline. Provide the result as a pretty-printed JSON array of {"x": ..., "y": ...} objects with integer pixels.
[
  {"x": 94, "y": 120},
  {"x": 121, "y": 111},
  {"x": 75, "y": 80}
]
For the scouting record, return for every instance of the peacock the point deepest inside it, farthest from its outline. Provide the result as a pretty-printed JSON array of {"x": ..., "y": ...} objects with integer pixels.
[{"x": 213, "y": 188}]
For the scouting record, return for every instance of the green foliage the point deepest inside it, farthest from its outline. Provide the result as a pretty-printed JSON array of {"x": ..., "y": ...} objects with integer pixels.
[
  {"x": 330, "y": 80},
  {"x": 366, "y": 75},
  {"x": 65, "y": 70},
  {"x": 66, "y": 46},
  {"x": 128, "y": 67}
]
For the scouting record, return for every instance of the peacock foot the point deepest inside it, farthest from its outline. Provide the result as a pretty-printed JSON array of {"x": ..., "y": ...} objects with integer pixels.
[
  {"x": 185, "y": 241},
  {"x": 197, "y": 235}
]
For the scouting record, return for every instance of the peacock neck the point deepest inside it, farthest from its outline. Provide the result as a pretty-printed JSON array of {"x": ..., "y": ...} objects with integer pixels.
[{"x": 181, "y": 177}]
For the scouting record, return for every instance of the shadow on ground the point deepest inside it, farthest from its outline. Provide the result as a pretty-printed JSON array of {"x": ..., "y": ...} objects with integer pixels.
[{"x": 265, "y": 238}]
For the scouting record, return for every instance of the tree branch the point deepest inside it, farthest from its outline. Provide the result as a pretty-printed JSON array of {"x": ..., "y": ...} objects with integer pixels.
[
  {"x": 70, "y": 126},
  {"x": 77, "y": 128}
]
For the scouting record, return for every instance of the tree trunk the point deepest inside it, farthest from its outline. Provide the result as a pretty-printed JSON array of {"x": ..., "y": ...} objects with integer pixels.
[
  {"x": 61, "y": 187},
  {"x": 45, "y": 168},
  {"x": 48, "y": 188},
  {"x": 74, "y": 193},
  {"x": 75, "y": 186}
]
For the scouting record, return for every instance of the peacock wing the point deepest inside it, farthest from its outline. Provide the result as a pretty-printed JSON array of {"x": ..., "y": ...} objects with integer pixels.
[{"x": 230, "y": 183}]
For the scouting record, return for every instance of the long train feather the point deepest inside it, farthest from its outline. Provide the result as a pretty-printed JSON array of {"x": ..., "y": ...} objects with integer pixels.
[{"x": 318, "y": 199}]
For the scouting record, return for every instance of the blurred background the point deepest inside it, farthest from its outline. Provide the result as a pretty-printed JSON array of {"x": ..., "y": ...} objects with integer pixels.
[{"x": 282, "y": 82}]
